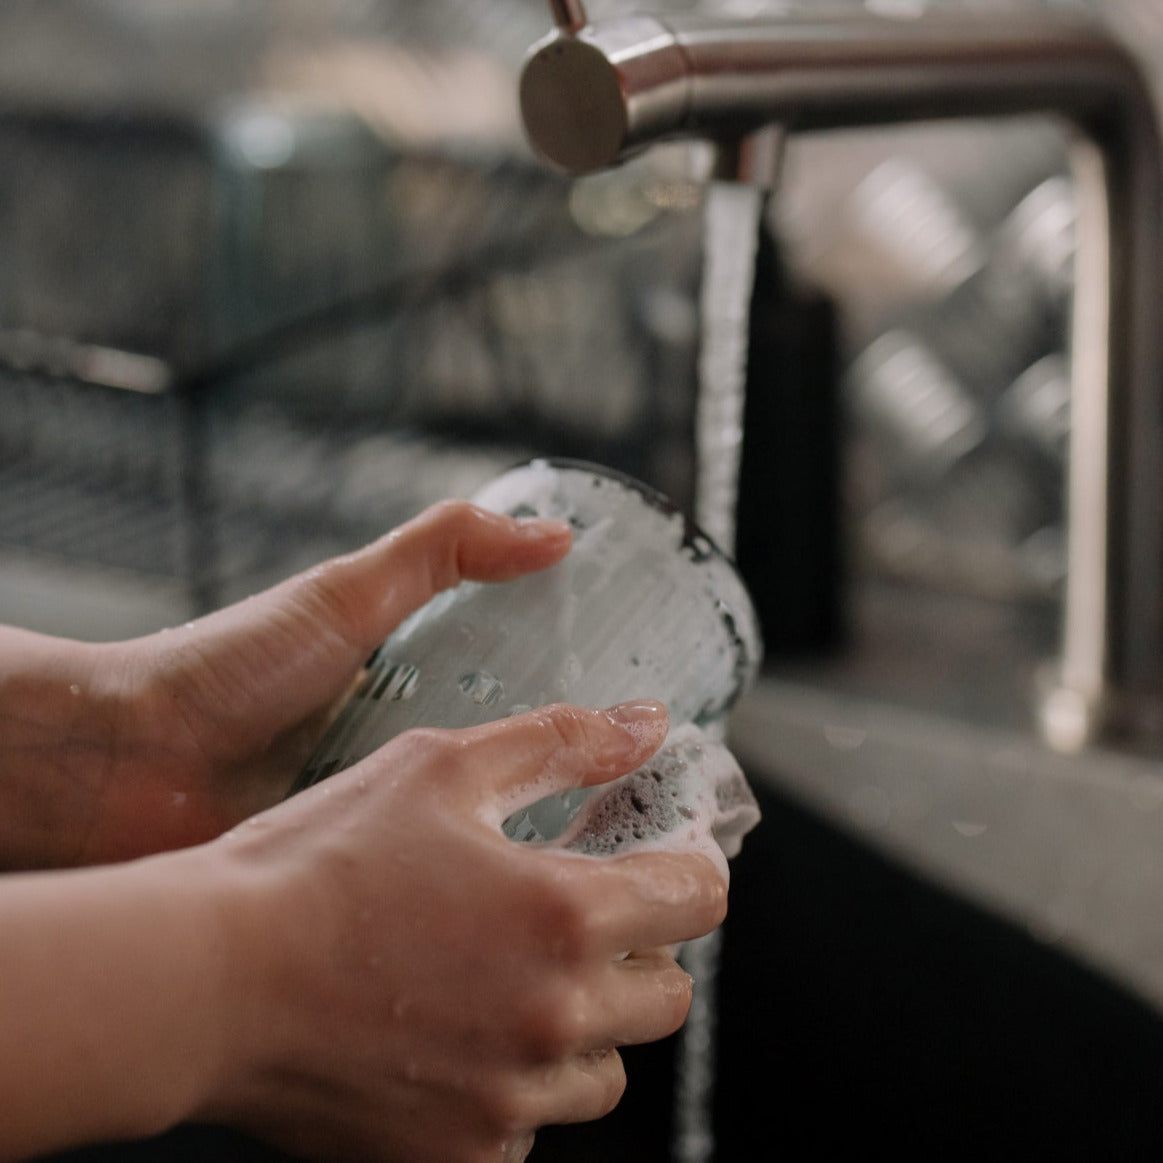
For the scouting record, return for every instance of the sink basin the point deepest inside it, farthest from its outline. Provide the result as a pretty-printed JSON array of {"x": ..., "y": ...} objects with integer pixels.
[
  {"x": 1066, "y": 847},
  {"x": 866, "y": 1005}
]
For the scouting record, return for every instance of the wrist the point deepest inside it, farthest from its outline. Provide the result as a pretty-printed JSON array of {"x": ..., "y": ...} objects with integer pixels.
[
  {"x": 253, "y": 940},
  {"x": 117, "y": 1007},
  {"x": 186, "y": 1033},
  {"x": 210, "y": 1044}
]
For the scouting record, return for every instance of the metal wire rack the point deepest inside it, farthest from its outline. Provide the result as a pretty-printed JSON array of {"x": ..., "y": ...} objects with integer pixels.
[{"x": 265, "y": 365}]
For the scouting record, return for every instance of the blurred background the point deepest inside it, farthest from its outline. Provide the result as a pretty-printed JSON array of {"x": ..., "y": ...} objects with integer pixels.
[{"x": 276, "y": 274}]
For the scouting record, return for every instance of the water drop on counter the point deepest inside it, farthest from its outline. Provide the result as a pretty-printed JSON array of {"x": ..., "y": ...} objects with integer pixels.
[{"x": 970, "y": 828}]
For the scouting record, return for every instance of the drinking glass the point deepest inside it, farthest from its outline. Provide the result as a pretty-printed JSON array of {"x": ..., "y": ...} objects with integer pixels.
[{"x": 643, "y": 606}]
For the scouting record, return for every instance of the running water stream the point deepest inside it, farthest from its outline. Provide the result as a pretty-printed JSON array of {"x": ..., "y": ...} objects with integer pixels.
[{"x": 733, "y": 213}]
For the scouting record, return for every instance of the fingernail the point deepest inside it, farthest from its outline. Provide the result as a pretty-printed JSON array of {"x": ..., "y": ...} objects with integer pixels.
[
  {"x": 641, "y": 727},
  {"x": 638, "y": 711},
  {"x": 538, "y": 528}
]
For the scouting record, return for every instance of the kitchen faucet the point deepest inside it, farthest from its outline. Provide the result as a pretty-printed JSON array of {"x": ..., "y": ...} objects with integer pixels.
[{"x": 593, "y": 95}]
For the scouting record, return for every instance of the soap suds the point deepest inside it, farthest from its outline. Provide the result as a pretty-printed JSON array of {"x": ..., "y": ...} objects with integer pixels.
[{"x": 691, "y": 796}]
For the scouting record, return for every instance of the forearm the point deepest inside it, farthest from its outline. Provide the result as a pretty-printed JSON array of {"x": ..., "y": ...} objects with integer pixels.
[{"x": 111, "y": 1011}]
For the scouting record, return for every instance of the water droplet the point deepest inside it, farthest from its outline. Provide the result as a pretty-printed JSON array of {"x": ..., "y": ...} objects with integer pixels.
[
  {"x": 700, "y": 547},
  {"x": 969, "y": 828},
  {"x": 74, "y": 689},
  {"x": 844, "y": 738},
  {"x": 483, "y": 688}
]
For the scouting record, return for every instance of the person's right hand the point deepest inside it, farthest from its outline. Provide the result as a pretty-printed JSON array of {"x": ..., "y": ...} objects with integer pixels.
[{"x": 408, "y": 984}]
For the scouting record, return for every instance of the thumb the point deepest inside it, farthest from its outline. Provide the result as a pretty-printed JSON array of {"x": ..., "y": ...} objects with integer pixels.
[
  {"x": 282, "y": 654},
  {"x": 363, "y": 596}
]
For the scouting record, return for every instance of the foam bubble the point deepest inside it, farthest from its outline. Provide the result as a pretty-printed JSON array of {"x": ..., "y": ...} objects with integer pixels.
[{"x": 691, "y": 796}]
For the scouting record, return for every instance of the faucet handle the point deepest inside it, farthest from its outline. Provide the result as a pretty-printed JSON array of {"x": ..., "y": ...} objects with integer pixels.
[{"x": 568, "y": 15}]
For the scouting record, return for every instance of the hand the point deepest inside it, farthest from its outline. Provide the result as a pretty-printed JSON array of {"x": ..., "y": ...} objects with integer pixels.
[
  {"x": 114, "y": 751},
  {"x": 412, "y": 985},
  {"x": 371, "y": 970}
]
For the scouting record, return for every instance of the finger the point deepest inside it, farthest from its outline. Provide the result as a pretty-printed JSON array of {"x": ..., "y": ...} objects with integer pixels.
[
  {"x": 362, "y": 597},
  {"x": 554, "y": 748},
  {"x": 517, "y": 1150},
  {"x": 585, "y": 1088},
  {"x": 306, "y": 637},
  {"x": 644, "y": 900},
  {"x": 647, "y": 997}
]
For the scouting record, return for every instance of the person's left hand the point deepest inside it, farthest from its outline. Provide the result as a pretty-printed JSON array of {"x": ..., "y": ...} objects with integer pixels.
[{"x": 117, "y": 750}]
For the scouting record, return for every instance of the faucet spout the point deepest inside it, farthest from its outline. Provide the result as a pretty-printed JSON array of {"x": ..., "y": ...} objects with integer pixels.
[{"x": 594, "y": 95}]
